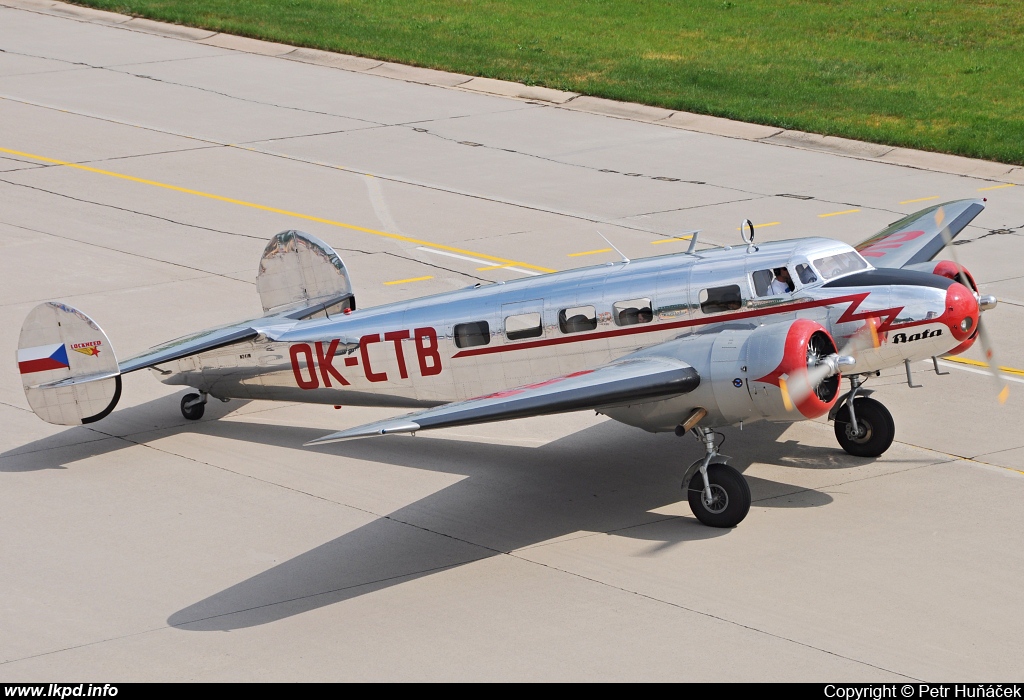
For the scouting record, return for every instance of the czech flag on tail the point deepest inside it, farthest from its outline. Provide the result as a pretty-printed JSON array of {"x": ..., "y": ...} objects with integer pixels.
[{"x": 43, "y": 358}]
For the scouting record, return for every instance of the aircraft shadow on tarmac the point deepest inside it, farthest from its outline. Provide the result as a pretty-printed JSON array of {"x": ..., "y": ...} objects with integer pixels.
[{"x": 605, "y": 479}]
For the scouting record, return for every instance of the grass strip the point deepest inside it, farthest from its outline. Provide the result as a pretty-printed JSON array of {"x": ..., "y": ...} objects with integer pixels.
[{"x": 937, "y": 75}]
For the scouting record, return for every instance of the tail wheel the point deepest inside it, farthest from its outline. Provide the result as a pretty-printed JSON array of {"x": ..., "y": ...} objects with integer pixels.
[
  {"x": 194, "y": 412},
  {"x": 730, "y": 497},
  {"x": 874, "y": 432}
]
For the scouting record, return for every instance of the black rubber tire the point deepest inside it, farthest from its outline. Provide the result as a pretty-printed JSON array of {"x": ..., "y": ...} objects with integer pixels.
[
  {"x": 195, "y": 412},
  {"x": 726, "y": 483},
  {"x": 875, "y": 419}
]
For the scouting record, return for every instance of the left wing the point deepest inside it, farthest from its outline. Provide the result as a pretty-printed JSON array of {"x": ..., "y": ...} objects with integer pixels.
[
  {"x": 622, "y": 382},
  {"x": 918, "y": 238}
]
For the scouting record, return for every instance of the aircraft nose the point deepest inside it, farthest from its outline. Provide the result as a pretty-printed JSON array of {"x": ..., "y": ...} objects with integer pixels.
[{"x": 962, "y": 311}]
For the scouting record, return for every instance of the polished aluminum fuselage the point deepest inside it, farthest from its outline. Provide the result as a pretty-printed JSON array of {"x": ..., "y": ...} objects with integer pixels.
[{"x": 404, "y": 354}]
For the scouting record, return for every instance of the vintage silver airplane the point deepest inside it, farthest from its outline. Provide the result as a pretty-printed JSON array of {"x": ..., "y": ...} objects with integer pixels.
[{"x": 686, "y": 342}]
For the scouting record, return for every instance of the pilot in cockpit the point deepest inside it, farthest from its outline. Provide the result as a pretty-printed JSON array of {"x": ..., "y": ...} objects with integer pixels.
[{"x": 782, "y": 284}]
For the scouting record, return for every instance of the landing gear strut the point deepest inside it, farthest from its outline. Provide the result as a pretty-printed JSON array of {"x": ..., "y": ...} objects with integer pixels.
[
  {"x": 718, "y": 494},
  {"x": 194, "y": 405},
  {"x": 863, "y": 426}
]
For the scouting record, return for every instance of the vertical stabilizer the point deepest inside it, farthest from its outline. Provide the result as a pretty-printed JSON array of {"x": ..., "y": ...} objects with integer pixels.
[
  {"x": 68, "y": 369},
  {"x": 298, "y": 272}
]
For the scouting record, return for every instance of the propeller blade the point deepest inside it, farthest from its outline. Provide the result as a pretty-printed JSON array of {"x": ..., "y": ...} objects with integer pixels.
[
  {"x": 987, "y": 347},
  {"x": 993, "y": 363}
]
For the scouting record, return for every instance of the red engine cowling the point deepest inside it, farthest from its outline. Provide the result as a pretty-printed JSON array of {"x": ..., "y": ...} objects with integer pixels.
[
  {"x": 762, "y": 373},
  {"x": 778, "y": 358},
  {"x": 948, "y": 268}
]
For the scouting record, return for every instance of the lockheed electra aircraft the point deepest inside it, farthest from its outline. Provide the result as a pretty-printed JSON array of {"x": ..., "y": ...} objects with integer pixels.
[{"x": 687, "y": 343}]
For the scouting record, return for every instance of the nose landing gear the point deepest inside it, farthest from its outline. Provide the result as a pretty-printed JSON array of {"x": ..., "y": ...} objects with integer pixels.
[
  {"x": 718, "y": 494},
  {"x": 863, "y": 426}
]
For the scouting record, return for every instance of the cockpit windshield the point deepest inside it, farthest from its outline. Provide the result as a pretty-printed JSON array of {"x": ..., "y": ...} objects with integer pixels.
[{"x": 833, "y": 266}]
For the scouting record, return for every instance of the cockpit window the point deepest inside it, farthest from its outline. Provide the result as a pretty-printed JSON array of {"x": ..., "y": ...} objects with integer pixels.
[
  {"x": 805, "y": 273},
  {"x": 839, "y": 264},
  {"x": 772, "y": 282}
]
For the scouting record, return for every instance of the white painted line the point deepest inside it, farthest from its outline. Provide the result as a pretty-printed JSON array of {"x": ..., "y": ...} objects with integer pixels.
[{"x": 477, "y": 260}]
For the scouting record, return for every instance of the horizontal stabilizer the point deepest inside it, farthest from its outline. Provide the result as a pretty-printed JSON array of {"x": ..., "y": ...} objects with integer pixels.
[
  {"x": 68, "y": 369},
  {"x": 918, "y": 238},
  {"x": 189, "y": 345},
  {"x": 623, "y": 382}
]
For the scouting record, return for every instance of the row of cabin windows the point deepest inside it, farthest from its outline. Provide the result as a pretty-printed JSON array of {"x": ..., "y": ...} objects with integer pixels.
[
  {"x": 574, "y": 319},
  {"x": 713, "y": 300}
]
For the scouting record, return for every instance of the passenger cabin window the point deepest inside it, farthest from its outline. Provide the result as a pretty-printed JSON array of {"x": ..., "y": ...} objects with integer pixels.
[
  {"x": 772, "y": 282},
  {"x": 523, "y": 326},
  {"x": 839, "y": 264},
  {"x": 468, "y": 335},
  {"x": 806, "y": 274},
  {"x": 577, "y": 319},
  {"x": 627, "y": 313},
  {"x": 718, "y": 299}
]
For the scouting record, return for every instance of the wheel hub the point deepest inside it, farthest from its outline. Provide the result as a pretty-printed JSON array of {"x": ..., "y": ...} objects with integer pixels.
[
  {"x": 719, "y": 500},
  {"x": 860, "y": 432}
]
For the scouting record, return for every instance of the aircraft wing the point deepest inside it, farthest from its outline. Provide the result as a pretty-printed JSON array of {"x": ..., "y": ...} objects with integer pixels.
[
  {"x": 626, "y": 381},
  {"x": 918, "y": 238}
]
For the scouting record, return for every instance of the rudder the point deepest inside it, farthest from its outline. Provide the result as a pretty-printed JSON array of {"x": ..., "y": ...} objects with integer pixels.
[{"x": 67, "y": 366}]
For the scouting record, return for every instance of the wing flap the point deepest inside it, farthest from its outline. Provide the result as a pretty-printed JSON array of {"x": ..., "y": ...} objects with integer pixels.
[
  {"x": 623, "y": 382},
  {"x": 918, "y": 238}
]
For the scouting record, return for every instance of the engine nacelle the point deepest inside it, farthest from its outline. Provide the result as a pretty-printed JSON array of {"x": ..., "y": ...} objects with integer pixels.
[
  {"x": 947, "y": 268},
  {"x": 746, "y": 375}
]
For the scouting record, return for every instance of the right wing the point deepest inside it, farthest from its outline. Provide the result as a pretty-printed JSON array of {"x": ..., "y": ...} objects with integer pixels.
[
  {"x": 918, "y": 238},
  {"x": 622, "y": 382}
]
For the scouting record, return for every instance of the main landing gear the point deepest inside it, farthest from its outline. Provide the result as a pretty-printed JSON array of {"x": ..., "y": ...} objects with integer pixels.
[
  {"x": 864, "y": 427},
  {"x": 718, "y": 494},
  {"x": 193, "y": 406}
]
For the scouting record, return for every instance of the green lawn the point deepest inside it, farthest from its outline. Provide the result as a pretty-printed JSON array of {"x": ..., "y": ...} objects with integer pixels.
[{"x": 939, "y": 75}]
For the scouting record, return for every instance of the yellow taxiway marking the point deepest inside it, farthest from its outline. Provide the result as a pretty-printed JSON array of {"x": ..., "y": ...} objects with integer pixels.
[
  {"x": 671, "y": 240},
  {"x": 978, "y": 363},
  {"x": 411, "y": 279},
  {"x": 839, "y": 213},
  {"x": 996, "y": 187},
  {"x": 493, "y": 267},
  {"x": 590, "y": 252},
  {"x": 921, "y": 199},
  {"x": 772, "y": 223},
  {"x": 275, "y": 210}
]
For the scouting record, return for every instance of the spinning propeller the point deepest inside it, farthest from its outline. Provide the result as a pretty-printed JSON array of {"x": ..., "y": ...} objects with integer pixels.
[{"x": 984, "y": 303}]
